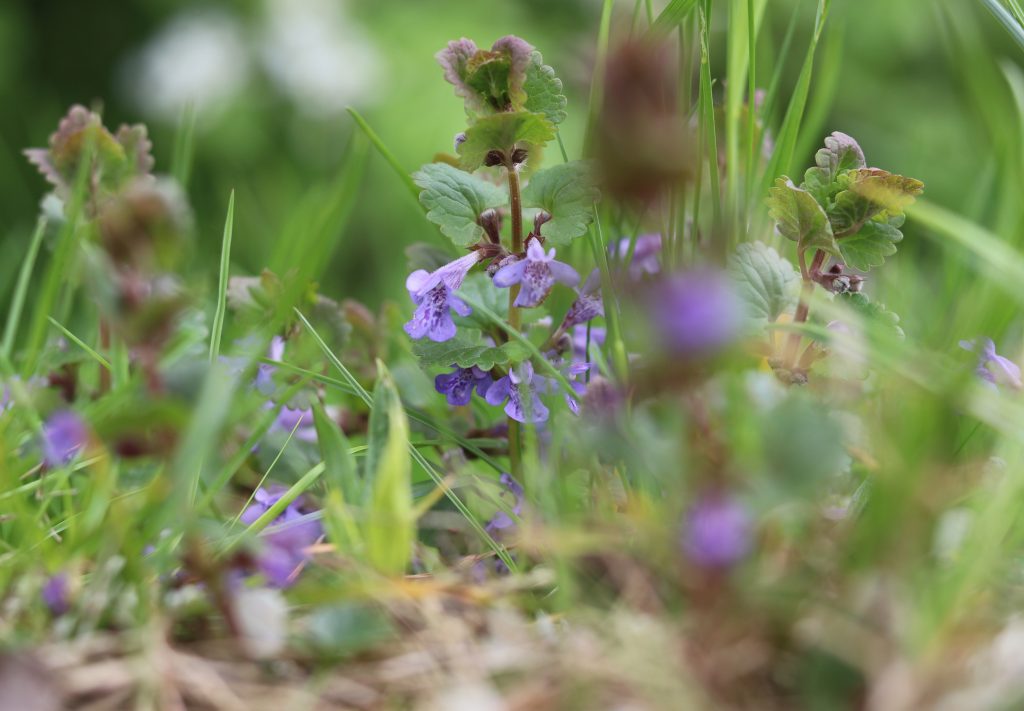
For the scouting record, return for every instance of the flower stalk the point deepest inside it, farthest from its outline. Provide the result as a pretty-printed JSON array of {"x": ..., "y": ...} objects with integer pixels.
[{"x": 515, "y": 455}]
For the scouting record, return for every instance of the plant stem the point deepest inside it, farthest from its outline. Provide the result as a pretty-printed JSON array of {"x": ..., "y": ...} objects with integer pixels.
[
  {"x": 803, "y": 307},
  {"x": 515, "y": 455}
]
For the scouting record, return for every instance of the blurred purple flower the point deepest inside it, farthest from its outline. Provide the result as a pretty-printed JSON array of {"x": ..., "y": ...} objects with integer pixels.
[
  {"x": 285, "y": 539},
  {"x": 300, "y": 420},
  {"x": 716, "y": 532},
  {"x": 64, "y": 434},
  {"x": 501, "y": 521},
  {"x": 264, "y": 381},
  {"x": 434, "y": 296},
  {"x": 520, "y": 381},
  {"x": 695, "y": 313},
  {"x": 588, "y": 304},
  {"x": 457, "y": 386},
  {"x": 992, "y": 367},
  {"x": 536, "y": 275},
  {"x": 56, "y": 595},
  {"x": 646, "y": 255}
]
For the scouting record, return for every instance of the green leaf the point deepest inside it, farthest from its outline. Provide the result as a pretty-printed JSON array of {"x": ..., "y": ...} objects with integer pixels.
[
  {"x": 467, "y": 349},
  {"x": 764, "y": 280},
  {"x": 390, "y": 527},
  {"x": 454, "y": 200},
  {"x": 503, "y": 132},
  {"x": 341, "y": 471},
  {"x": 872, "y": 311},
  {"x": 799, "y": 217},
  {"x": 869, "y": 192},
  {"x": 841, "y": 153},
  {"x": 875, "y": 241},
  {"x": 544, "y": 90},
  {"x": 567, "y": 193}
]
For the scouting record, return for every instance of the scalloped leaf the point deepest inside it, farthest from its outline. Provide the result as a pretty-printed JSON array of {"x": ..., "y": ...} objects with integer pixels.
[
  {"x": 467, "y": 349},
  {"x": 544, "y": 90},
  {"x": 870, "y": 192},
  {"x": 764, "y": 280},
  {"x": 799, "y": 217},
  {"x": 115, "y": 159},
  {"x": 566, "y": 192},
  {"x": 503, "y": 132},
  {"x": 454, "y": 200},
  {"x": 841, "y": 153},
  {"x": 875, "y": 241}
]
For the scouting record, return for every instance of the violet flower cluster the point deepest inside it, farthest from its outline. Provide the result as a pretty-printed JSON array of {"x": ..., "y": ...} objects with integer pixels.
[{"x": 285, "y": 540}]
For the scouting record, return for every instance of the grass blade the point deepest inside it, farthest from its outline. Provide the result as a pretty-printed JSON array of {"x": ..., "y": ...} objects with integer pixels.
[
  {"x": 222, "y": 285},
  {"x": 21, "y": 289}
]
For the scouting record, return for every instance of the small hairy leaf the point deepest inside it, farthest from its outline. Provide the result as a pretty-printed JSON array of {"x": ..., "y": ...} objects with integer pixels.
[
  {"x": 567, "y": 193},
  {"x": 875, "y": 241},
  {"x": 868, "y": 192},
  {"x": 454, "y": 200},
  {"x": 764, "y": 280},
  {"x": 544, "y": 90},
  {"x": 841, "y": 153},
  {"x": 503, "y": 132},
  {"x": 799, "y": 217},
  {"x": 390, "y": 522},
  {"x": 467, "y": 349}
]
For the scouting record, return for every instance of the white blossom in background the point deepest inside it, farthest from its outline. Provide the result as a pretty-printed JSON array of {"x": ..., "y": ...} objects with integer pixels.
[
  {"x": 317, "y": 57},
  {"x": 198, "y": 58}
]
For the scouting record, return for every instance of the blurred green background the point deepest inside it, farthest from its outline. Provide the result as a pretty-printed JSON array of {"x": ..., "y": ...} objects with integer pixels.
[{"x": 269, "y": 80}]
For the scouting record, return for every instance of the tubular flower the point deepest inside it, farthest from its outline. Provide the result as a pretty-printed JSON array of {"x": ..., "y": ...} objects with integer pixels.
[
  {"x": 536, "y": 275},
  {"x": 520, "y": 388},
  {"x": 992, "y": 367},
  {"x": 434, "y": 296},
  {"x": 457, "y": 386}
]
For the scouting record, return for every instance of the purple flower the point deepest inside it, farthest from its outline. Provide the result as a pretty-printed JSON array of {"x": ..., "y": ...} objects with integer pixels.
[
  {"x": 299, "y": 420},
  {"x": 285, "y": 539},
  {"x": 64, "y": 434},
  {"x": 501, "y": 521},
  {"x": 695, "y": 313},
  {"x": 717, "y": 532},
  {"x": 992, "y": 367},
  {"x": 536, "y": 275},
  {"x": 433, "y": 294},
  {"x": 520, "y": 388},
  {"x": 458, "y": 385},
  {"x": 645, "y": 255},
  {"x": 570, "y": 370},
  {"x": 588, "y": 304},
  {"x": 56, "y": 595},
  {"x": 264, "y": 382}
]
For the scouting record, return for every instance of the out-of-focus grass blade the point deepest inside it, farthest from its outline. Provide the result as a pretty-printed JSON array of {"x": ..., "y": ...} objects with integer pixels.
[
  {"x": 181, "y": 160},
  {"x": 1000, "y": 260},
  {"x": 390, "y": 527},
  {"x": 341, "y": 466},
  {"x": 789, "y": 133},
  {"x": 294, "y": 491},
  {"x": 21, "y": 289},
  {"x": 1013, "y": 23},
  {"x": 222, "y": 283},
  {"x": 386, "y": 154},
  {"x": 597, "y": 77},
  {"x": 669, "y": 18},
  {"x": 82, "y": 344},
  {"x": 708, "y": 133}
]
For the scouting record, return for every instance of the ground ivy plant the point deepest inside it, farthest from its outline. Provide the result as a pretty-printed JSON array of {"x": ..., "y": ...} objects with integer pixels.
[
  {"x": 494, "y": 202},
  {"x": 845, "y": 220}
]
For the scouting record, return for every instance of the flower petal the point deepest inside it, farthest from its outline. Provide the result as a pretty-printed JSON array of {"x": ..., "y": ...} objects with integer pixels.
[{"x": 509, "y": 275}]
